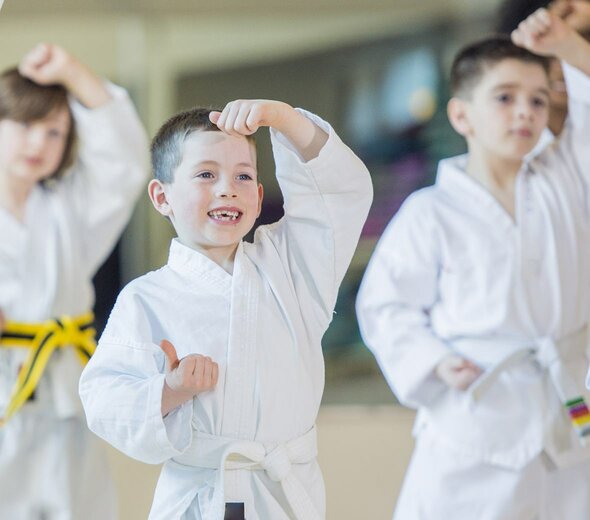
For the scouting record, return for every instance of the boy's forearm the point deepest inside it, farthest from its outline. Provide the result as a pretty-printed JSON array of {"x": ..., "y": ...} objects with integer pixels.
[
  {"x": 576, "y": 52},
  {"x": 88, "y": 88},
  {"x": 305, "y": 136}
]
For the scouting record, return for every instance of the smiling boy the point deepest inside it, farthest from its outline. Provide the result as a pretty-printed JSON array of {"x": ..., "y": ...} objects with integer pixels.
[
  {"x": 476, "y": 300},
  {"x": 215, "y": 197},
  {"x": 213, "y": 364}
]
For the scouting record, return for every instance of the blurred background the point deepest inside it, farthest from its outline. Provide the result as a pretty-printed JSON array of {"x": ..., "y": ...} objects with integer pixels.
[{"x": 375, "y": 69}]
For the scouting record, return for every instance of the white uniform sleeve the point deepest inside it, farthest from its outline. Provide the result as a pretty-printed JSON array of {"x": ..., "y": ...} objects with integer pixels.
[
  {"x": 112, "y": 167},
  {"x": 399, "y": 288},
  {"x": 573, "y": 146},
  {"x": 121, "y": 389},
  {"x": 327, "y": 201}
]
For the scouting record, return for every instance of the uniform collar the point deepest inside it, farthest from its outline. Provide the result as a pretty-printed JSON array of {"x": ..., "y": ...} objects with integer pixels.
[
  {"x": 545, "y": 140},
  {"x": 452, "y": 179},
  {"x": 196, "y": 266}
]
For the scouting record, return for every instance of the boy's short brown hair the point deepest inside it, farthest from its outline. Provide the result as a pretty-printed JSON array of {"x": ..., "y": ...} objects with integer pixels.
[
  {"x": 167, "y": 145},
  {"x": 24, "y": 100},
  {"x": 472, "y": 61}
]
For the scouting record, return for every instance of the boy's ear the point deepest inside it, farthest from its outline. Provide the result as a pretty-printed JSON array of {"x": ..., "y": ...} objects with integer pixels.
[
  {"x": 158, "y": 197},
  {"x": 457, "y": 114},
  {"x": 260, "y": 197}
]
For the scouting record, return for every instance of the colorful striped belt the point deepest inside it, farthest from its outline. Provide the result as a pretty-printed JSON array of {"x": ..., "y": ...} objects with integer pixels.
[{"x": 42, "y": 339}]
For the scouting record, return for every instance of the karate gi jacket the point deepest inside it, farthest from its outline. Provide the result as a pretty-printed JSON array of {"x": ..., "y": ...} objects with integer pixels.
[
  {"x": 454, "y": 273},
  {"x": 47, "y": 262},
  {"x": 263, "y": 325}
]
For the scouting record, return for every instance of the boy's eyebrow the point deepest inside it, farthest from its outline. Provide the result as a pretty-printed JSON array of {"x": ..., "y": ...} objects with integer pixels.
[
  {"x": 215, "y": 163},
  {"x": 53, "y": 119},
  {"x": 542, "y": 90}
]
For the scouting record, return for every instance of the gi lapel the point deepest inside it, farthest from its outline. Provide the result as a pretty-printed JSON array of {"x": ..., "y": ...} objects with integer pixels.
[{"x": 238, "y": 410}]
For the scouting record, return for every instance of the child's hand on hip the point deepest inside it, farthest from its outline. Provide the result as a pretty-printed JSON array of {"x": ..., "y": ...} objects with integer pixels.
[{"x": 457, "y": 372}]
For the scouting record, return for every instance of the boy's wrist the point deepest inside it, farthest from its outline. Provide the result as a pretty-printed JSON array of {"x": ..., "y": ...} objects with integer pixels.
[
  {"x": 172, "y": 398},
  {"x": 179, "y": 393},
  {"x": 284, "y": 118},
  {"x": 305, "y": 136},
  {"x": 575, "y": 51},
  {"x": 88, "y": 88},
  {"x": 71, "y": 74}
]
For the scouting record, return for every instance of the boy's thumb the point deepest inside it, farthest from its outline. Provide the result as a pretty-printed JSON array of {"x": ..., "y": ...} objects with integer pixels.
[
  {"x": 214, "y": 116},
  {"x": 170, "y": 353}
]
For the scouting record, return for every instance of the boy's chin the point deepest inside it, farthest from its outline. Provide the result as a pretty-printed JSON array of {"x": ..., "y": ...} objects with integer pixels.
[{"x": 518, "y": 154}]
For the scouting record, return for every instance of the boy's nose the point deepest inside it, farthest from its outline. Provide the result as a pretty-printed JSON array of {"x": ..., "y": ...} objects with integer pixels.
[
  {"x": 525, "y": 111},
  {"x": 227, "y": 192}
]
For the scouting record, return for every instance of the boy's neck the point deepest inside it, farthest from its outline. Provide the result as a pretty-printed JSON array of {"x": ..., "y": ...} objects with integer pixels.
[
  {"x": 497, "y": 175},
  {"x": 223, "y": 256},
  {"x": 14, "y": 196}
]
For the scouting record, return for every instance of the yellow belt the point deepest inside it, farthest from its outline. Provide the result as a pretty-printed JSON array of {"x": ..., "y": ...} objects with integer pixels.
[{"x": 42, "y": 339}]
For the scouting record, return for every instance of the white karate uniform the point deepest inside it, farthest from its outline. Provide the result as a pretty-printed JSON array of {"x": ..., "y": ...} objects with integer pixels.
[
  {"x": 454, "y": 273},
  {"x": 263, "y": 325},
  {"x": 51, "y": 465}
]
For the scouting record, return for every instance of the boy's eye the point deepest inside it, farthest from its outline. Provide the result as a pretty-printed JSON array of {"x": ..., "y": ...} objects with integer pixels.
[
  {"x": 245, "y": 177},
  {"x": 539, "y": 102},
  {"x": 504, "y": 98},
  {"x": 205, "y": 175},
  {"x": 54, "y": 132}
]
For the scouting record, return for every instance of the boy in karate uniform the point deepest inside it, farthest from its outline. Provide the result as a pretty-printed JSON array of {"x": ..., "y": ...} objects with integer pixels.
[
  {"x": 476, "y": 301},
  {"x": 62, "y": 209},
  {"x": 213, "y": 364}
]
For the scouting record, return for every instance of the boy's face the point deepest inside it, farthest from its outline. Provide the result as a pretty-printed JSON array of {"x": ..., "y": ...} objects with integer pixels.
[
  {"x": 215, "y": 198},
  {"x": 507, "y": 112},
  {"x": 33, "y": 151}
]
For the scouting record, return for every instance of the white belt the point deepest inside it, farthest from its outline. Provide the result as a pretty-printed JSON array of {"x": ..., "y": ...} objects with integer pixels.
[
  {"x": 551, "y": 355},
  {"x": 222, "y": 453}
]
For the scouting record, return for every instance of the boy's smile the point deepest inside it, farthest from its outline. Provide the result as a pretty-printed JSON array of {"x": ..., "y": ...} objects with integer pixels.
[
  {"x": 214, "y": 198},
  {"x": 227, "y": 215}
]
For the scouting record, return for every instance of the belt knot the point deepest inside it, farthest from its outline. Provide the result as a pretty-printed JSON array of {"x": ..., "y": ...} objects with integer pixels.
[
  {"x": 42, "y": 340},
  {"x": 277, "y": 463},
  {"x": 546, "y": 352}
]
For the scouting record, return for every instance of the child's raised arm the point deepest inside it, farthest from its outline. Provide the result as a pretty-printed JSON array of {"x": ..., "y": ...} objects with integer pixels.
[
  {"x": 48, "y": 64},
  {"x": 245, "y": 116},
  {"x": 547, "y": 34}
]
